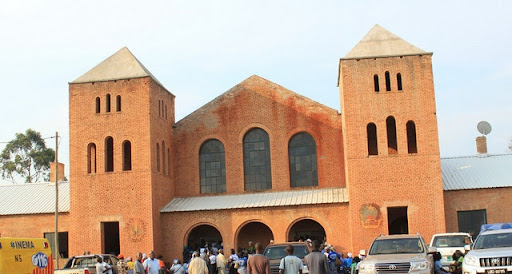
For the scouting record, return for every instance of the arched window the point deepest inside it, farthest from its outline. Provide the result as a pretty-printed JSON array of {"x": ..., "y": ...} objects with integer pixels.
[
  {"x": 98, "y": 105},
  {"x": 159, "y": 108},
  {"x": 91, "y": 158},
  {"x": 412, "y": 146},
  {"x": 118, "y": 103},
  {"x": 302, "y": 159},
  {"x": 212, "y": 167},
  {"x": 157, "y": 157},
  {"x": 399, "y": 81},
  {"x": 371, "y": 132},
  {"x": 109, "y": 154},
  {"x": 165, "y": 112},
  {"x": 107, "y": 103},
  {"x": 163, "y": 158},
  {"x": 257, "y": 171},
  {"x": 168, "y": 161},
  {"x": 376, "y": 82},
  {"x": 388, "y": 82},
  {"x": 127, "y": 155},
  {"x": 391, "y": 130}
]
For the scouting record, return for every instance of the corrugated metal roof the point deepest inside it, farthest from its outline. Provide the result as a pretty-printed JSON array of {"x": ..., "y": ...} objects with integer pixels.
[
  {"x": 33, "y": 198},
  {"x": 474, "y": 172},
  {"x": 253, "y": 200}
]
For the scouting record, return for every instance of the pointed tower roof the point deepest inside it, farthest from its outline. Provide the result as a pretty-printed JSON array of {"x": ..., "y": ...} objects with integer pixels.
[
  {"x": 379, "y": 42},
  {"x": 121, "y": 65}
]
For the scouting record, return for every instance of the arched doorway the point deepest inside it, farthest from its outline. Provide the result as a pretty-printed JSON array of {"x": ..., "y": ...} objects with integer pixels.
[
  {"x": 306, "y": 229},
  {"x": 254, "y": 232},
  {"x": 203, "y": 235}
]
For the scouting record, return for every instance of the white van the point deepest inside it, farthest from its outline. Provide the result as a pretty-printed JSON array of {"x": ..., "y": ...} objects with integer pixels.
[{"x": 448, "y": 243}]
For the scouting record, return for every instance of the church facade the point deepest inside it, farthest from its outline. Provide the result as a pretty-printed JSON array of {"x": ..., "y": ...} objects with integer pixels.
[{"x": 259, "y": 162}]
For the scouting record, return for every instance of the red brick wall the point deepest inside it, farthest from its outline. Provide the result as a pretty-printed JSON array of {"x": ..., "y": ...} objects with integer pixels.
[
  {"x": 332, "y": 217},
  {"x": 391, "y": 180},
  {"x": 119, "y": 196},
  {"x": 257, "y": 102},
  {"x": 32, "y": 225},
  {"x": 496, "y": 201}
]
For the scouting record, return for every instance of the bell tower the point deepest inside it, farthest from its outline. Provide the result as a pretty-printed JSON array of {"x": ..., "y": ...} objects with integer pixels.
[
  {"x": 120, "y": 119},
  {"x": 390, "y": 135}
]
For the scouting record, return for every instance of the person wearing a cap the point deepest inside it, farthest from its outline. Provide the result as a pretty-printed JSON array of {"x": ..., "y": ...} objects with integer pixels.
[{"x": 122, "y": 267}]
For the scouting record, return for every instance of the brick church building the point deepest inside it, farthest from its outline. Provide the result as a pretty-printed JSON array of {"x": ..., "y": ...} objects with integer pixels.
[{"x": 258, "y": 163}]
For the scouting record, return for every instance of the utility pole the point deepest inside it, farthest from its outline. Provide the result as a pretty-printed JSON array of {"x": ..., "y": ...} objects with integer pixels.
[{"x": 57, "y": 256}]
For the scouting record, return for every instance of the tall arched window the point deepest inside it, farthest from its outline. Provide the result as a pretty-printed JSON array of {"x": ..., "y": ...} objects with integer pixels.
[
  {"x": 107, "y": 103},
  {"x": 165, "y": 112},
  {"x": 109, "y": 154},
  {"x": 98, "y": 105},
  {"x": 118, "y": 103},
  {"x": 302, "y": 159},
  {"x": 91, "y": 158},
  {"x": 157, "y": 157},
  {"x": 163, "y": 158},
  {"x": 388, "y": 82},
  {"x": 168, "y": 162},
  {"x": 391, "y": 130},
  {"x": 212, "y": 167},
  {"x": 257, "y": 171},
  {"x": 412, "y": 146},
  {"x": 159, "y": 108},
  {"x": 399, "y": 81},
  {"x": 376, "y": 82},
  {"x": 127, "y": 155},
  {"x": 371, "y": 132}
]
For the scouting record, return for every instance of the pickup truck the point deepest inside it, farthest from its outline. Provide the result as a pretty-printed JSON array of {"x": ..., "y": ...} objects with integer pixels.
[{"x": 86, "y": 264}]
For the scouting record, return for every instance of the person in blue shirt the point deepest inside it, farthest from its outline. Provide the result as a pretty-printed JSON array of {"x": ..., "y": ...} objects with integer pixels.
[{"x": 333, "y": 256}]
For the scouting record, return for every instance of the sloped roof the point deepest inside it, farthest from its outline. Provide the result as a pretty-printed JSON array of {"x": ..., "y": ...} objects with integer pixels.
[
  {"x": 258, "y": 200},
  {"x": 379, "y": 42},
  {"x": 33, "y": 198},
  {"x": 475, "y": 172},
  {"x": 121, "y": 65}
]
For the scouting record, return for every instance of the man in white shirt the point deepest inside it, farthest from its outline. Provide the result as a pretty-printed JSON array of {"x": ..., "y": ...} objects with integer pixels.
[
  {"x": 100, "y": 268},
  {"x": 290, "y": 264},
  {"x": 151, "y": 264}
]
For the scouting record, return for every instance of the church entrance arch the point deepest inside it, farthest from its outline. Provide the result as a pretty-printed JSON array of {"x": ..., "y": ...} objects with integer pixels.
[
  {"x": 253, "y": 232},
  {"x": 306, "y": 229},
  {"x": 203, "y": 235}
]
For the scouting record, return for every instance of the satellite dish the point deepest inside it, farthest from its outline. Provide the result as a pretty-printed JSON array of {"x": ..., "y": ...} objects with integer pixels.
[{"x": 484, "y": 127}]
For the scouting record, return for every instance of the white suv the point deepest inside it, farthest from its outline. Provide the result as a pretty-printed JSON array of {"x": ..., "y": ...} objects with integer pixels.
[
  {"x": 448, "y": 243},
  {"x": 398, "y": 254},
  {"x": 491, "y": 254}
]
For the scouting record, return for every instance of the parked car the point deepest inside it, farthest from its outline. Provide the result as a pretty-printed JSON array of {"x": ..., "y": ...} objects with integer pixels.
[
  {"x": 491, "y": 253},
  {"x": 448, "y": 243},
  {"x": 275, "y": 252},
  {"x": 86, "y": 264},
  {"x": 398, "y": 254}
]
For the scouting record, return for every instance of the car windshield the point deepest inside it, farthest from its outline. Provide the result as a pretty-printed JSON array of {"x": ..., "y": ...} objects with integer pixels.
[
  {"x": 451, "y": 241},
  {"x": 394, "y": 246},
  {"x": 278, "y": 252},
  {"x": 493, "y": 240}
]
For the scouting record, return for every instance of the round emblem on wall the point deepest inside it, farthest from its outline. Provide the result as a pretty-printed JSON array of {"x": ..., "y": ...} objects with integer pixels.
[
  {"x": 370, "y": 215},
  {"x": 136, "y": 228}
]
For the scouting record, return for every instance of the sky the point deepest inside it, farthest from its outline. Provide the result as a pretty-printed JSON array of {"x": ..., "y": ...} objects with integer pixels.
[{"x": 200, "y": 49}]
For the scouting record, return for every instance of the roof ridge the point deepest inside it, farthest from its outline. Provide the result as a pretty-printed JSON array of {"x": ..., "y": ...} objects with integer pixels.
[{"x": 477, "y": 156}]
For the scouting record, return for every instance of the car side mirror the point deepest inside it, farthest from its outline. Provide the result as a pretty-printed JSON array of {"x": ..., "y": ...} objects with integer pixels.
[
  {"x": 467, "y": 247},
  {"x": 432, "y": 249}
]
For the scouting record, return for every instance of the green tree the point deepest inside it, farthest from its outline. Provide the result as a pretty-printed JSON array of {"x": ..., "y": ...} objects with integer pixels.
[{"x": 27, "y": 157}]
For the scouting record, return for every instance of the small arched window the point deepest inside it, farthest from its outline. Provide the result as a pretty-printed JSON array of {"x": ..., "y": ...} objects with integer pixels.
[
  {"x": 391, "y": 130},
  {"x": 399, "y": 81},
  {"x": 157, "y": 157},
  {"x": 371, "y": 132},
  {"x": 302, "y": 160},
  {"x": 118, "y": 103},
  {"x": 109, "y": 154},
  {"x": 163, "y": 158},
  {"x": 98, "y": 105},
  {"x": 107, "y": 103},
  {"x": 91, "y": 158},
  {"x": 212, "y": 167},
  {"x": 257, "y": 168},
  {"x": 376, "y": 82},
  {"x": 388, "y": 82},
  {"x": 412, "y": 146},
  {"x": 127, "y": 155}
]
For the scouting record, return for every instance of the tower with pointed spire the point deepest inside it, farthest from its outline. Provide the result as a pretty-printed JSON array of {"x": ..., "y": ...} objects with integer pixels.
[
  {"x": 391, "y": 147},
  {"x": 120, "y": 119}
]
